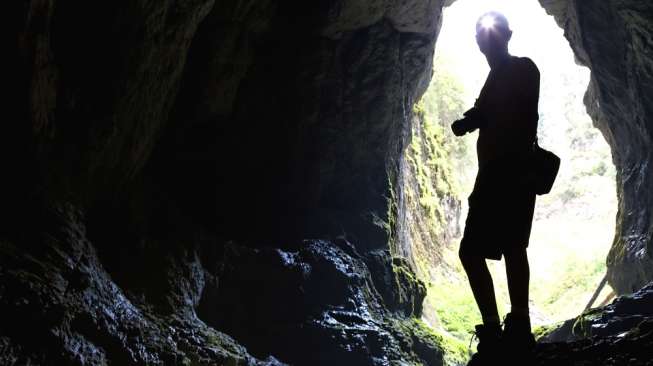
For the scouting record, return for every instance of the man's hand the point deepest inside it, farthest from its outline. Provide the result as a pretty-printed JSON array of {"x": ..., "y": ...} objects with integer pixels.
[
  {"x": 458, "y": 127},
  {"x": 473, "y": 120}
]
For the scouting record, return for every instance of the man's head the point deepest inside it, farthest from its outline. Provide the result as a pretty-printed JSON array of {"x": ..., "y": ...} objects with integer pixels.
[{"x": 492, "y": 33}]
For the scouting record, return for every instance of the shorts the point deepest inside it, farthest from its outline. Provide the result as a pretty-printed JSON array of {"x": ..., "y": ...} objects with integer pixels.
[{"x": 500, "y": 216}]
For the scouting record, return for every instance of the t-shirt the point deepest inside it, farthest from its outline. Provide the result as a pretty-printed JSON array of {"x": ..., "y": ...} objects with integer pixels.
[{"x": 508, "y": 104}]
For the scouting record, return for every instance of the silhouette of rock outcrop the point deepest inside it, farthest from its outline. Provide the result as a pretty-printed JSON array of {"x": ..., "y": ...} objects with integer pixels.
[{"x": 620, "y": 333}]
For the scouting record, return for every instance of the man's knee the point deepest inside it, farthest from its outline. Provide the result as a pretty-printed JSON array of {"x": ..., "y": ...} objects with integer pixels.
[
  {"x": 462, "y": 255},
  {"x": 467, "y": 259},
  {"x": 516, "y": 253}
]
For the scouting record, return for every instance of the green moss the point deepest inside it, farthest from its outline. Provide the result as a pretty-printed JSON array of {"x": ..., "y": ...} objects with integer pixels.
[
  {"x": 429, "y": 190},
  {"x": 455, "y": 352},
  {"x": 429, "y": 156},
  {"x": 544, "y": 330},
  {"x": 454, "y": 306},
  {"x": 582, "y": 325},
  {"x": 411, "y": 290}
]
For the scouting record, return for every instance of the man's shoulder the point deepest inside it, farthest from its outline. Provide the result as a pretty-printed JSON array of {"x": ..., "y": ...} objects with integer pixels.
[{"x": 525, "y": 64}]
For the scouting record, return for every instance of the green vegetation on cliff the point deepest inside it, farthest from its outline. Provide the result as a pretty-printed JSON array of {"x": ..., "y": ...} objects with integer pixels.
[{"x": 432, "y": 203}]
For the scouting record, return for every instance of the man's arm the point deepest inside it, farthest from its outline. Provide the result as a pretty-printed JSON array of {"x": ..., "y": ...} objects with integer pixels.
[
  {"x": 524, "y": 114},
  {"x": 473, "y": 119},
  {"x": 528, "y": 89}
]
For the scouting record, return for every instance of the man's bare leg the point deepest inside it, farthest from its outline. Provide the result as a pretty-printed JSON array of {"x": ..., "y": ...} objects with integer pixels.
[
  {"x": 480, "y": 281},
  {"x": 518, "y": 274},
  {"x": 517, "y": 332}
]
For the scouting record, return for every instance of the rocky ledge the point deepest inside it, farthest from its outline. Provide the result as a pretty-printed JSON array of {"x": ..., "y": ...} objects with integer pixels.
[
  {"x": 620, "y": 333},
  {"x": 312, "y": 303}
]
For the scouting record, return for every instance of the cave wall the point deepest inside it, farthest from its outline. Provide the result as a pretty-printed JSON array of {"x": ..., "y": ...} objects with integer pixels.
[
  {"x": 427, "y": 196},
  {"x": 615, "y": 40},
  {"x": 166, "y": 156},
  {"x": 284, "y": 117},
  {"x": 319, "y": 111}
]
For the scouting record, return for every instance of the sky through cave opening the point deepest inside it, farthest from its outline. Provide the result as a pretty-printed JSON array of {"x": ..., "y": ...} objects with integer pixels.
[{"x": 573, "y": 226}]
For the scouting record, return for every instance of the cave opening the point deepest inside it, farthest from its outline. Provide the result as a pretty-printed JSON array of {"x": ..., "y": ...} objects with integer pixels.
[
  {"x": 234, "y": 183},
  {"x": 574, "y": 225}
]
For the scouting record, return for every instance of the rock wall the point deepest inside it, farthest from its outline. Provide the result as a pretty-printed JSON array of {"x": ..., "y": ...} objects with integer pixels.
[
  {"x": 427, "y": 197},
  {"x": 320, "y": 111},
  {"x": 164, "y": 297},
  {"x": 60, "y": 306},
  {"x": 624, "y": 314},
  {"x": 615, "y": 40},
  {"x": 620, "y": 333},
  {"x": 165, "y": 156},
  {"x": 168, "y": 161}
]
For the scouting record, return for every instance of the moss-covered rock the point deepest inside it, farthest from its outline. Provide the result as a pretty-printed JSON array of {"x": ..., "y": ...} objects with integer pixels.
[
  {"x": 316, "y": 303},
  {"x": 632, "y": 348},
  {"x": 429, "y": 196},
  {"x": 397, "y": 283},
  {"x": 621, "y": 316},
  {"x": 620, "y": 333}
]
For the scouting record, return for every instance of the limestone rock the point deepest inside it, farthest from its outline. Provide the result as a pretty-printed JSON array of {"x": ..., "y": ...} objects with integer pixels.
[
  {"x": 623, "y": 315},
  {"x": 614, "y": 39},
  {"x": 620, "y": 333},
  {"x": 416, "y": 16},
  {"x": 60, "y": 306},
  {"x": 315, "y": 304}
]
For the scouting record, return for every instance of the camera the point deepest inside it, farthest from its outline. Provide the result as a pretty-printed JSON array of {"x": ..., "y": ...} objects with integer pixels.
[{"x": 473, "y": 119}]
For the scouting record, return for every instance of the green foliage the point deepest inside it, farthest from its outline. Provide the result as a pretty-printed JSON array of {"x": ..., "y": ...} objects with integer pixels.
[
  {"x": 444, "y": 100},
  {"x": 433, "y": 156},
  {"x": 456, "y": 313},
  {"x": 431, "y": 163},
  {"x": 409, "y": 288},
  {"x": 433, "y": 151},
  {"x": 455, "y": 351},
  {"x": 582, "y": 324},
  {"x": 543, "y": 330}
]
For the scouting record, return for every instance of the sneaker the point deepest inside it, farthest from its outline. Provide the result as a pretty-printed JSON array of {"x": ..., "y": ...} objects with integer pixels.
[
  {"x": 489, "y": 343},
  {"x": 517, "y": 336}
]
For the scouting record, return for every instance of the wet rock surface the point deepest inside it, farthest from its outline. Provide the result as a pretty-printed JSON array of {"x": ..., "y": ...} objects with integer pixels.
[
  {"x": 621, "y": 316},
  {"x": 58, "y": 305},
  {"x": 64, "y": 300},
  {"x": 316, "y": 304},
  {"x": 620, "y": 333},
  {"x": 635, "y": 348}
]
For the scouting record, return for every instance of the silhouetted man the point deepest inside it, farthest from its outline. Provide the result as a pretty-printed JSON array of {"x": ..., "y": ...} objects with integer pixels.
[{"x": 502, "y": 202}]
